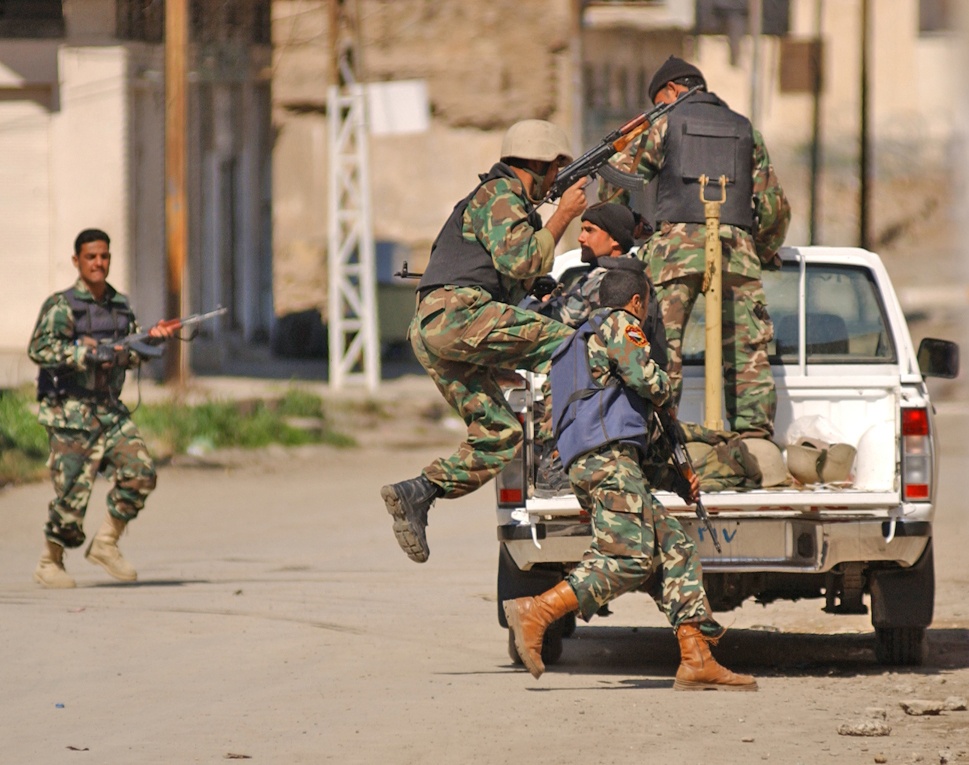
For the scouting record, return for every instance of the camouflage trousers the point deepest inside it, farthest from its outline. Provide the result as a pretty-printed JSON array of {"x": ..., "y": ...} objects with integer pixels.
[
  {"x": 748, "y": 384},
  {"x": 464, "y": 340},
  {"x": 76, "y": 457},
  {"x": 637, "y": 544}
]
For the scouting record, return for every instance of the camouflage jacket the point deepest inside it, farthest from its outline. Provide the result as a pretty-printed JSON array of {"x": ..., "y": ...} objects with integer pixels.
[
  {"x": 575, "y": 306},
  {"x": 678, "y": 249},
  {"x": 497, "y": 217},
  {"x": 620, "y": 349},
  {"x": 53, "y": 346}
]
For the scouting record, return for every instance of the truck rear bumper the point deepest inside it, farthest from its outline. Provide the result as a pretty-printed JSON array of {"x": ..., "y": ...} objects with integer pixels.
[{"x": 793, "y": 545}]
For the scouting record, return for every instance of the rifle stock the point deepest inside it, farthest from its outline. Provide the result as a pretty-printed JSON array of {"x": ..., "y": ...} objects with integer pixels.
[{"x": 684, "y": 466}]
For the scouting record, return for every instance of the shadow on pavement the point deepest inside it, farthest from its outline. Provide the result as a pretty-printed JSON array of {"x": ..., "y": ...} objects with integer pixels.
[{"x": 631, "y": 650}]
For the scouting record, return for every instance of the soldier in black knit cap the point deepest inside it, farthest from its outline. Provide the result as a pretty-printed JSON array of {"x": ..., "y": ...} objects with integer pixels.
[{"x": 703, "y": 136}]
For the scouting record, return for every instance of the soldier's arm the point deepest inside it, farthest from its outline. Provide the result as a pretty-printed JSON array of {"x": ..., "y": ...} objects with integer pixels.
[
  {"x": 772, "y": 210},
  {"x": 628, "y": 352},
  {"x": 497, "y": 217},
  {"x": 52, "y": 343},
  {"x": 573, "y": 307}
]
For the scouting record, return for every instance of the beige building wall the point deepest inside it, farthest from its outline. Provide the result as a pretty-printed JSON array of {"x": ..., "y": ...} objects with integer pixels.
[
  {"x": 488, "y": 64},
  {"x": 63, "y": 133},
  {"x": 482, "y": 72}
]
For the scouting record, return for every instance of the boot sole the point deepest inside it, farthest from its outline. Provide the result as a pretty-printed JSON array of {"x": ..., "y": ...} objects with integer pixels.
[
  {"x": 515, "y": 625},
  {"x": 133, "y": 577},
  {"x": 691, "y": 685},
  {"x": 51, "y": 586},
  {"x": 411, "y": 539}
]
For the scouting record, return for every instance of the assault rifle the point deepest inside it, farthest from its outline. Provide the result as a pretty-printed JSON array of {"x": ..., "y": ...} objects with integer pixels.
[
  {"x": 616, "y": 141},
  {"x": 142, "y": 342},
  {"x": 684, "y": 468}
]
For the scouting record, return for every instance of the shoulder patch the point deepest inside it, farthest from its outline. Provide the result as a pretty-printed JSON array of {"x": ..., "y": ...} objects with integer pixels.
[{"x": 636, "y": 336}]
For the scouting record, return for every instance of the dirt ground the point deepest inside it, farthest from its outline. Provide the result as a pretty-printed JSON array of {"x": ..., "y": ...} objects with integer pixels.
[{"x": 276, "y": 620}]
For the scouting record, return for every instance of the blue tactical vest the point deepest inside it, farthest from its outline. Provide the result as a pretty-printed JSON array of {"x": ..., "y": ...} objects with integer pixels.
[
  {"x": 456, "y": 261},
  {"x": 587, "y": 415}
]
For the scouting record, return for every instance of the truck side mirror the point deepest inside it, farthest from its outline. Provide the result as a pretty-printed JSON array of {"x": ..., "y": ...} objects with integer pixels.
[{"x": 938, "y": 358}]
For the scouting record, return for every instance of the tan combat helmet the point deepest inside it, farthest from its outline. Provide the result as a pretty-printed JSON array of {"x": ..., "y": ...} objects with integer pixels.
[
  {"x": 818, "y": 462},
  {"x": 536, "y": 139},
  {"x": 769, "y": 459}
]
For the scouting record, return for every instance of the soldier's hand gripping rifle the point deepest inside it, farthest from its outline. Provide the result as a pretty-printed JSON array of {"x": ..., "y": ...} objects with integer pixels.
[
  {"x": 684, "y": 469},
  {"x": 144, "y": 344},
  {"x": 616, "y": 141}
]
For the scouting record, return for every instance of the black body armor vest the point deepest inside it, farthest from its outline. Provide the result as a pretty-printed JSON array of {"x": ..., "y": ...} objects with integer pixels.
[
  {"x": 111, "y": 321},
  {"x": 705, "y": 137},
  {"x": 458, "y": 262}
]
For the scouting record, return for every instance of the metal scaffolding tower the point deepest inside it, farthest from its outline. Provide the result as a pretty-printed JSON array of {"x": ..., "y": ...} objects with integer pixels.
[{"x": 352, "y": 306}]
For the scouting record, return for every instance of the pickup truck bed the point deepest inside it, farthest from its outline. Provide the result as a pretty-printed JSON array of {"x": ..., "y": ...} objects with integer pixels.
[{"x": 856, "y": 368}]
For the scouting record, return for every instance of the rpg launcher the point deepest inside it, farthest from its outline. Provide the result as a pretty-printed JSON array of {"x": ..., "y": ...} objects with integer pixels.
[
  {"x": 684, "y": 469},
  {"x": 616, "y": 141},
  {"x": 142, "y": 343}
]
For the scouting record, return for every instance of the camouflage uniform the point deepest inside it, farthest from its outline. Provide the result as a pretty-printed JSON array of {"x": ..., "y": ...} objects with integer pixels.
[
  {"x": 89, "y": 428},
  {"x": 675, "y": 259},
  {"x": 462, "y": 337},
  {"x": 637, "y": 544}
]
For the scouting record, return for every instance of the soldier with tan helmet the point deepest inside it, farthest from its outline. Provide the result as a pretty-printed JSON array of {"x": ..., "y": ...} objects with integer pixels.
[{"x": 468, "y": 332}]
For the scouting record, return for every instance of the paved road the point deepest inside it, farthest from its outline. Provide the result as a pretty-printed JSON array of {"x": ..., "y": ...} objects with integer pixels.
[{"x": 276, "y": 620}]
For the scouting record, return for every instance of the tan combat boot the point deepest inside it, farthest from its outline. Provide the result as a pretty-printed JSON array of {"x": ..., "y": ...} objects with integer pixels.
[
  {"x": 699, "y": 671},
  {"x": 104, "y": 551},
  {"x": 528, "y": 618},
  {"x": 50, "y": 570}
]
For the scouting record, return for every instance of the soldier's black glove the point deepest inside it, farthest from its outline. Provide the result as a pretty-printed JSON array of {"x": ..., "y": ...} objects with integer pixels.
[
  {"x": 104, "y": 355},
  {"x": 542, "y": 286}
]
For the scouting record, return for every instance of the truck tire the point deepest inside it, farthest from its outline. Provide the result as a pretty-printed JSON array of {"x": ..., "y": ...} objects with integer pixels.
[
  {"x": 515, "y": 583},
  {"x": 902, "y": 604},
  {"x": 900, "y": 646}
]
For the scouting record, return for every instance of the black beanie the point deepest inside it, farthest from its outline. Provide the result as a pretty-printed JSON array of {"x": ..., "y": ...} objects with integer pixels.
[
  {"x": 672, "y": 69},
  {"x": 615, "y": 219}
]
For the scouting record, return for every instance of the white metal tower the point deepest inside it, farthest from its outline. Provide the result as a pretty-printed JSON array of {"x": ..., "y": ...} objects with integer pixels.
[{"x": 352, "y": 305}]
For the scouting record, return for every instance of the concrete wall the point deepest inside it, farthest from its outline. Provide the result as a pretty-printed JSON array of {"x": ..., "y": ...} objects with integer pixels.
[
  {"x": 63, "y": 136},
  {"x": 82, "y": 136},
  {"x": 483, "y": 73},
  {"x": 488, "y": 64}
]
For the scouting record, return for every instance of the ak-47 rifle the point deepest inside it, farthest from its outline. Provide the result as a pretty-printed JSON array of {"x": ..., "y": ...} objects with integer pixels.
[
  {"x": 142, "y": 342},
  {"x": 684, "y": 469},
  {"x": 616, "y": 141}
]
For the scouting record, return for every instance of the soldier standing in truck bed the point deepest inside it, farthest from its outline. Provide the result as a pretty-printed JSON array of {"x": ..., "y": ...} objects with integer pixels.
[{"x": 703, "y": 136}]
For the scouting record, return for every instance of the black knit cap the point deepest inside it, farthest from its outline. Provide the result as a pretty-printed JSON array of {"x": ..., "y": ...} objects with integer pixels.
[
  {"x": 615, "y": 219},
  {"x": 672, "y": 69}
]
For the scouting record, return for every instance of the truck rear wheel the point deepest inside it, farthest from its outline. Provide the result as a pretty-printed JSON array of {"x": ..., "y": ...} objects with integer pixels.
[
  {"x": 898, "y": 646},
  {"x": 902, "y": 603},
  {"x": 515, "y": 583}
]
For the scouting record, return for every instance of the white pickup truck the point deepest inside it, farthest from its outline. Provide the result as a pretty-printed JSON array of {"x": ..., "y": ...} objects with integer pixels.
[{"x": 842, "y": 351}]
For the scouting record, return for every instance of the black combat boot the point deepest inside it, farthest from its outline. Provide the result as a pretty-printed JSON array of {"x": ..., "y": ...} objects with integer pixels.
[
  {"x": 551, "y": 480},
  {"x": 408, "y": 502}
]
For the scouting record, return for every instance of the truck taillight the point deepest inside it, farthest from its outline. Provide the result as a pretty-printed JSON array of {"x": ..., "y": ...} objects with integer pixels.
[
  {"x": 511, "y": 481},
  {"x": 916, "y": 455}
]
